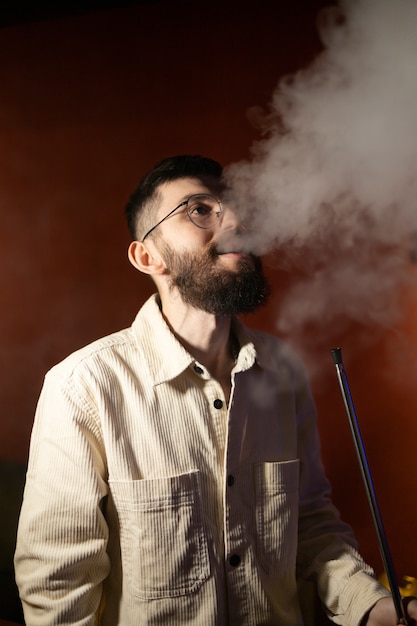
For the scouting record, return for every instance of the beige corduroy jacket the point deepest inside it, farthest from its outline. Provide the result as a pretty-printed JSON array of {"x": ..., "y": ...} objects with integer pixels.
[{"x": 150, "y": 501}]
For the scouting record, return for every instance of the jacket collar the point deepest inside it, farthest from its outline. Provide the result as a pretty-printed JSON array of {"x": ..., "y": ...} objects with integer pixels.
[{"x": 166, "y": 356}]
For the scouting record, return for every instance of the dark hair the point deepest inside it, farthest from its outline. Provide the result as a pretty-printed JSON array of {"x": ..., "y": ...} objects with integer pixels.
[{"x": 171, "y": 168}]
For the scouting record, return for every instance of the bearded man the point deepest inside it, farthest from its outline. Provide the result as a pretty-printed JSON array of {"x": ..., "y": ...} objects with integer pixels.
[{"x": 175, "y": 474}]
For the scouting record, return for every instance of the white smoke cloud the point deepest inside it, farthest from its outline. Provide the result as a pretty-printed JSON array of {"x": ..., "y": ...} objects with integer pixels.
[{"x": 333, "y": 181}]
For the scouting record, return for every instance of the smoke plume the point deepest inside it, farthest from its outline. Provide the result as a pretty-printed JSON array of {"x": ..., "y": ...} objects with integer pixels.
[{"x": 332, "y": 184}]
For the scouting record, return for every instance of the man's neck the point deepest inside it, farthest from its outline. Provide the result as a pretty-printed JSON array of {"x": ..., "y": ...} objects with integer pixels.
[{"x": 205, "y": 335}]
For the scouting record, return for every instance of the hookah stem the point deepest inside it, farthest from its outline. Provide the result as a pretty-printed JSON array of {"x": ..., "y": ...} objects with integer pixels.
[{"x": 370, "y": 491}]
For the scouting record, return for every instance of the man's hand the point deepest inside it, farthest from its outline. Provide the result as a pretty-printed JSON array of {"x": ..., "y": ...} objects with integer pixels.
[{"x": 383, "y": 613}]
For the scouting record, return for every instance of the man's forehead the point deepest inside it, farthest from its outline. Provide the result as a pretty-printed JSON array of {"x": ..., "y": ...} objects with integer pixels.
[{"x": 180, "y": 188}]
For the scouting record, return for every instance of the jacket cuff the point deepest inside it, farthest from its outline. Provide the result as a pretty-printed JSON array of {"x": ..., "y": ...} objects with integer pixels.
[{"x": 362, "y": 592}]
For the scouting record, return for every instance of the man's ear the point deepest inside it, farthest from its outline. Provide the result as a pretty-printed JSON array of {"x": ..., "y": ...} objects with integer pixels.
[{"x": 146, "y": 258}]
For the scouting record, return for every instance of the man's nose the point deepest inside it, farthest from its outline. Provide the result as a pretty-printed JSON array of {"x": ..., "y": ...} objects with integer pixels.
[{"x": 231, "y": 220}]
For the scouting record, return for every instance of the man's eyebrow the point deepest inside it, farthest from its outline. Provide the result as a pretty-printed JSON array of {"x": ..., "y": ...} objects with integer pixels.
[
  {"x": 183, "y": 199},
  {"x": 195, "y": 193}
]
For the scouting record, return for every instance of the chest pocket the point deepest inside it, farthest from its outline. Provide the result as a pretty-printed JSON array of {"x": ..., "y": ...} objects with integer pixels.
[
  {"x": 276, "y": 489},
  {"x": 163, "y": 543}
]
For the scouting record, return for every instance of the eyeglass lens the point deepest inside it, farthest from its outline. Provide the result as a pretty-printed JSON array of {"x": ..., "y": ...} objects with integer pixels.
[{"x": 204, "y": 210}]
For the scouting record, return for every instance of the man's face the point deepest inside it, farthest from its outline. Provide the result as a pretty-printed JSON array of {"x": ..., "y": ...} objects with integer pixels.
[{"x": 207, "y": 266}]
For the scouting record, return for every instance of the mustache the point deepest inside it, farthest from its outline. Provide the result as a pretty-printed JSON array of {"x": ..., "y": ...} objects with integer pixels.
[
  {"x": 231, "y": 242},
  {"x": 214, "y": 250},
  {"x": 217, "y": 249}
]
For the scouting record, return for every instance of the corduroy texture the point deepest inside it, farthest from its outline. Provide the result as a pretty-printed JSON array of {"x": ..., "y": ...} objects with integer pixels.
[{"x": 149, "y": 501}]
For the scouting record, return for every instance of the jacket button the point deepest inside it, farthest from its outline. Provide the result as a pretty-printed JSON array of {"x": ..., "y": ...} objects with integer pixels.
[
  {"x": 218, "y": 404},
  {"x": 198, "y": 369},
  {"x": 234, "y": 560}
]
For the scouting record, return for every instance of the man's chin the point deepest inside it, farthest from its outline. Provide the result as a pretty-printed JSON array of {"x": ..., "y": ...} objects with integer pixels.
[{"x": 224, "y": 282}]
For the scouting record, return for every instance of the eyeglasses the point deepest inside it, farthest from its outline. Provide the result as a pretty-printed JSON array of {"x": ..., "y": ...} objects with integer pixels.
[{"x": 203, "y": 210}]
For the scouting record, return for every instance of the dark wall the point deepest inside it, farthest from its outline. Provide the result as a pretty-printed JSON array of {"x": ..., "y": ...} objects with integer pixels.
[{"x": 88, "y": 104}]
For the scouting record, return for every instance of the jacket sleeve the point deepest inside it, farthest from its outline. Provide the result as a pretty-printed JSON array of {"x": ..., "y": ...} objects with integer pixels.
[
  {"x": 61, "y": 558},
  {"x": 327, "y": 551}
]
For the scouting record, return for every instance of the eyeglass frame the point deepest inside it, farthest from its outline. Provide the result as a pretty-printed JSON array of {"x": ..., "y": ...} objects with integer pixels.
[{"x": 185, "y": 203}]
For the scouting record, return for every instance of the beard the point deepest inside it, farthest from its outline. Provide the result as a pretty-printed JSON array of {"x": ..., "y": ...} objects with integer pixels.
[{"x": 204, "y": 285}]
